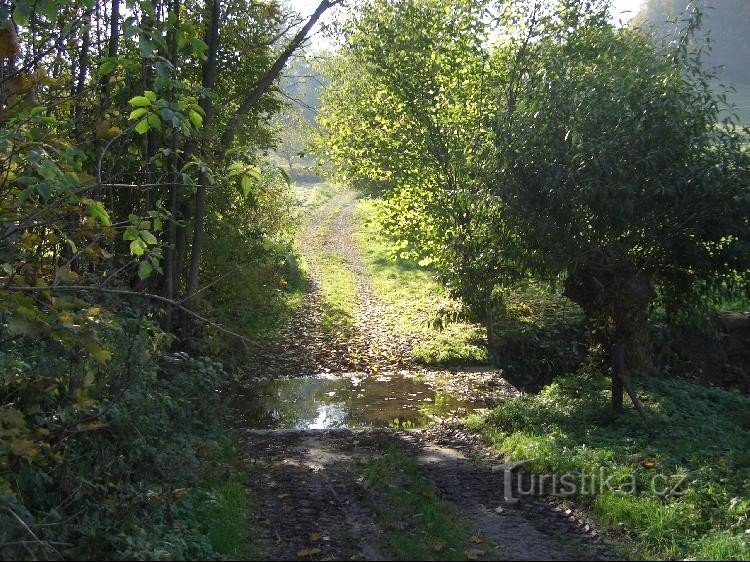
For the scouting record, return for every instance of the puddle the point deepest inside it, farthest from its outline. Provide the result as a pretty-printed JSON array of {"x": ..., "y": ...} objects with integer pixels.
[{"x": 355, "y": 400}]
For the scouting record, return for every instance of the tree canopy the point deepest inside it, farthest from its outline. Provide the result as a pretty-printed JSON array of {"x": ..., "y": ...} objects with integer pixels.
[{"x": 565, "y": 148}]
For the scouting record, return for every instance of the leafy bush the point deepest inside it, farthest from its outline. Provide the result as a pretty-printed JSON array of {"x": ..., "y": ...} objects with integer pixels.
[
  {"x": 536, "y": 336},
  {"x": 112, "y": 465}
]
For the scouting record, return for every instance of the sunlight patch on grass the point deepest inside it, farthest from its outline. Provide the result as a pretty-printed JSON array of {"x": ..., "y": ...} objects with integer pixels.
[
  {"x": 417, "y": 523},
  {"x": 414, "y": 297},
  {"x": 338, "y": 294},
  {"x": 697, "y": 449}
]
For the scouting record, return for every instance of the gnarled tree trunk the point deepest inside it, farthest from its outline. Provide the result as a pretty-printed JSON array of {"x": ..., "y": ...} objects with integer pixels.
[{"x": 615, "y": 295}]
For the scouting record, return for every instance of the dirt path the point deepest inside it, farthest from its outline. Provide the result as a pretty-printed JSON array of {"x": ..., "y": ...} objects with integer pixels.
[
  {"x": 312, "y": 501},
  {"x": 303, "y": 348}
]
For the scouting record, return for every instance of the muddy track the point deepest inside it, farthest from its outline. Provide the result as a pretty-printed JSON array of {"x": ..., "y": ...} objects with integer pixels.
[
  {"x": 307, "y": 484},
  {"x": 313, "y": 502}
]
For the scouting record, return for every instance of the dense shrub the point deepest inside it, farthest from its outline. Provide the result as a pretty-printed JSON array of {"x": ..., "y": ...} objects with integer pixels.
[
  {"x": 110, "y": 466},
  {"x": 536, "y": 336}
]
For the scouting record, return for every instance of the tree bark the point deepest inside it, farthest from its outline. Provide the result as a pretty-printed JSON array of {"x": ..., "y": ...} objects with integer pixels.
[
  {"x": 209, "y": 79},
  {"x": 615, "y": 296},
  {"x": 208, "y": 82}
]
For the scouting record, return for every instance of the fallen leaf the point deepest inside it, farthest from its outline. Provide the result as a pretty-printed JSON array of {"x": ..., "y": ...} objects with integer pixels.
[
  {"x": 315, "y": 537},
  {"x": 473, "y": 553},
  {"x": 305, "y": 552}
]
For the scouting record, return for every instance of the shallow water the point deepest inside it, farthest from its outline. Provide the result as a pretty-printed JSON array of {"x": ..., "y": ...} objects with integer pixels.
[{"x": 354, "y": 400}]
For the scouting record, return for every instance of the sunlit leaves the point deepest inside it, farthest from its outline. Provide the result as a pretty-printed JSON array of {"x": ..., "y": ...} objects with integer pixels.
[{"x": 150, "y": 113}]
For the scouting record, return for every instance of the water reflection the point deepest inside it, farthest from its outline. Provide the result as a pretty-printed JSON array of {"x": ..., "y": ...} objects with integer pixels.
[{"x": 350, "y": 401}]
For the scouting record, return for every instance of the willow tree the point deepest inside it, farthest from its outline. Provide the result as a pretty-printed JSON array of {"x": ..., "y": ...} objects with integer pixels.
[
  {"x": 615, "y": 166},
  {"x": 568, "y": 149}
]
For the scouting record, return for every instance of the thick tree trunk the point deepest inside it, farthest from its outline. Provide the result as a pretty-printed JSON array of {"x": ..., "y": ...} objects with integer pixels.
[{"x": 615, "y": 296}]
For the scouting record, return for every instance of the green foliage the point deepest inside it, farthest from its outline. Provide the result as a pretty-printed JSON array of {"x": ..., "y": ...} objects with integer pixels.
[
  {"x": 259, "y": 281},
  {"x": 537, "y": 335},
  {"x": 697, "y": 446},
  {"x": 85, "y": 446},
  {"x": 567, "y": 149}
]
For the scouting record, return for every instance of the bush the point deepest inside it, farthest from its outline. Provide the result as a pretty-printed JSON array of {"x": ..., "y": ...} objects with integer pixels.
[
  {"x": 114, "y": 465},
  {"x": 536, "y": 336}
]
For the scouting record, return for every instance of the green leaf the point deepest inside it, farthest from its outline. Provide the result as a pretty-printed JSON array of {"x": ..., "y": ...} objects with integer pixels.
[
  {"x": 142, "y": 127},
  {"x": 139, "y": 101},
  {"x": 150, "y": 95},
  {"x": 154, "y": 121},
  {"x": 102, "y": 355},
  {"x": 21, "y": 13},
  {"x": 195, "y": 119},
  {"x": 137, "y": 247},
  {"x": 246, "y": 184},
  {"x": 98, "y": 212},
  {"x": 199, "y": 47},
  {"x": 131, "y": 233},
  {"x": 145, "y": 269},
  {"x": 107, "y": 67},
  {"x": 148, "y": 237},
  {"x": 137, "y": 113}
]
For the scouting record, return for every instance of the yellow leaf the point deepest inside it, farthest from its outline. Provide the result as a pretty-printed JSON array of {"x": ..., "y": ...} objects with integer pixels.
[
  {"x": 102, "y": 355},
  {"x": 315, "y": 537},
  {"x": 24, "y": 448},
  {"x": 305, "y": 552},
  {"x": 477, "y": 539},
  {"x": 88, "y": 379},
  {"x": 83, "y": 401},
  {"x": 648, "y": 463},
  {"x": 92, "y": 426},
  {"x": 10, "y": 417}
]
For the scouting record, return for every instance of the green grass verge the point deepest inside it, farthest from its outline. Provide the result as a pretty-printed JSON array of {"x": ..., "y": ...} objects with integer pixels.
[
  {"x": 220, "y": 507},
  {"x": 681, "y": 489},
  {"x": 417, "y": 523},
  {"x": 338, "y": 294},
  {"x": 415, "y": 297},
  {"x": 315, "y": 195}
]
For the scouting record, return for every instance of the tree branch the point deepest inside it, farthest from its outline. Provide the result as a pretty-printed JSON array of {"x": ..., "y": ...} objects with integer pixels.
[{"x": 268, "y": 78}]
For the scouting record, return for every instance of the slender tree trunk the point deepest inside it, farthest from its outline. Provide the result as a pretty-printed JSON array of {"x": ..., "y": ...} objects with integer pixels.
[
  {"x": 263, "y": 85},
  {"x": 83, "y": 68},
  {"x": 209, "y": 81},
  {"x": 113, "y": 47},
  {"x": 170, "y": 256}
]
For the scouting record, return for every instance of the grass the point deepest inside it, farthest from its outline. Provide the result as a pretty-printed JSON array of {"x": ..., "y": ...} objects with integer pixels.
[
  {"x": 415, "y": 297},
  {"x": 224, "y": 509},
  {"x": 680, "y": 489},
  {"x": 314, "y": 196},
  {"x": 338, "y": 294},
  {"x": 417, "y": 523}
]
